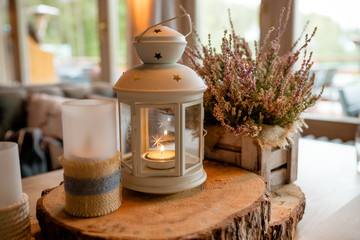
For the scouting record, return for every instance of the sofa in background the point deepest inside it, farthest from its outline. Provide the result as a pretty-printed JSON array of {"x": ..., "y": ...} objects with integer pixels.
[
  {"x": 350, "y": 100},
  {"x": 31, "y": 116}
]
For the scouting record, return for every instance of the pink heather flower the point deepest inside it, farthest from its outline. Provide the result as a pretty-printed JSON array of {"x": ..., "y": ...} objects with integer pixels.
[{"x": 245, "y": 92}]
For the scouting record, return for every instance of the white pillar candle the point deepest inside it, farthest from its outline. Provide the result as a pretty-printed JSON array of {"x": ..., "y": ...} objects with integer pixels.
[
  {"x": 89, "y": 129},
  {"x": 10, "y": 176}
]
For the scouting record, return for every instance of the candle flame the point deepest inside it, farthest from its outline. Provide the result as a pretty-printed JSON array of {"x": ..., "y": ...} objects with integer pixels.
[
  {"x": 165, "y": 132},
  {"x": 169, "y": 119},
  {"x": 162, "y": 149}
]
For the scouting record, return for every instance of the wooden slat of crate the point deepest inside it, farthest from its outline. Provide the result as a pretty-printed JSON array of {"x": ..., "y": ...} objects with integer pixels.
[
  {"x": 230, "y": 139},
  {"x": 278, "y": 178},
  {"x": 278, "y": 158},
  {"x": 250, "y": 155},
  {"x": 225, "y": 155},
  {"x": 292, "y": 160},
  {"x": 263, "y": 161}
]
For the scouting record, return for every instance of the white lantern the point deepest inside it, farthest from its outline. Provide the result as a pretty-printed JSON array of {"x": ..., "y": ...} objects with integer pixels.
[{"x": 161, "y": 117}]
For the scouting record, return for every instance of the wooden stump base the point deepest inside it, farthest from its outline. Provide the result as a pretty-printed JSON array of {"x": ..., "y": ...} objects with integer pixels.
[
  {"x": 231, "y": 204},
  {"x": 287, "y": 209}
]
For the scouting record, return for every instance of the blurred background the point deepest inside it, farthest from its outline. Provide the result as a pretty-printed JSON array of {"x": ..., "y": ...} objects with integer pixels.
[{"x": 61, "y": 40}]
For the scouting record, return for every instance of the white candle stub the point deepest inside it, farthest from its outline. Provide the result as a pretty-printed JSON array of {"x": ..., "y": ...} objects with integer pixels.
[
  {"x": 160, "y": 159},
  {"x": 10, "y": 176}
]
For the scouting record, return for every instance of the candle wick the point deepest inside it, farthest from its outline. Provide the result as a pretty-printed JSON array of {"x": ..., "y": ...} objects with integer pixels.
[{"x": 161, "y": 149}]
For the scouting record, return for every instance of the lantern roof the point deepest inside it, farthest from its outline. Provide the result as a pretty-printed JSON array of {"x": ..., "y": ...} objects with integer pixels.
[{"x": 160, "y": 78}]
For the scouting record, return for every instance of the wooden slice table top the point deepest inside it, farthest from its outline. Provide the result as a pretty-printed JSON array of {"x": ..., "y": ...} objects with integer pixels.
[{"x": 231, "y": 202}]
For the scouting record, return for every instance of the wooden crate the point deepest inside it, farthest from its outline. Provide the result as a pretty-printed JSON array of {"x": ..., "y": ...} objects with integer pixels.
[{"x": 277, "y": 166}]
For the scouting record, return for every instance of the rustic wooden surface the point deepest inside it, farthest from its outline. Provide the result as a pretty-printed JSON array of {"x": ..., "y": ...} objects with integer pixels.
[
  {"x": 327, "y": 214},
  {"x": 232, "y": 203},
  {"x": 33, "y": 186},
  {"x": 287, "y": 209},
  {"x": 328, "y": 177}
]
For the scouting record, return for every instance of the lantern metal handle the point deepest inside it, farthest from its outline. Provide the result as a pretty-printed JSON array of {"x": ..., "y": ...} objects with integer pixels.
[{"x": 185, "y": 14}]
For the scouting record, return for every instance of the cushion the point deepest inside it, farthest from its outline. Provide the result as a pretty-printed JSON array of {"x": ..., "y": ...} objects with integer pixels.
[
  {"x": 44, "y": 112},
  {"x": 76, "y": 91},
  {"x": 350, "y": 100},
  {"x": 12, "y": 110},
  {"x": 103, "y": 89},
  {"x": 48, "y": 89}
]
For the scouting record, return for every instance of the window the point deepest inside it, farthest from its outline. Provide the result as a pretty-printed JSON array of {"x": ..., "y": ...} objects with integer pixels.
[
  {"x": 245, "y": 16},
  {"x": 63, "y": 39},
  {"x": 335, "y": 46},
  {"x": 6, "y": 47}
]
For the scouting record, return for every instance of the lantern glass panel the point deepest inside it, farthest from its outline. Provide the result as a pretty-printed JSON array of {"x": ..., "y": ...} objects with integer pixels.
[
  {"x": 192, "y": 135},
  {"x": 158, "y": 140},
  {"x": 125, "y": 133}
]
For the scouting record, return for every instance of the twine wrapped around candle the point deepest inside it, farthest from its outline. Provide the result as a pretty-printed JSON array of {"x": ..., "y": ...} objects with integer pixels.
[
  {"x": 14, "y": 220},
  {"x": 92, "y": 188}
]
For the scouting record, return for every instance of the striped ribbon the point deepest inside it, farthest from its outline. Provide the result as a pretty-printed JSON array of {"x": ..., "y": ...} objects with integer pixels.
[{"x": 88, "y": 187}]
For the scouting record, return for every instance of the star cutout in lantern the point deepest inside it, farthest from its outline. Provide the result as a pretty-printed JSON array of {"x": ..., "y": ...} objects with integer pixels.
[
  {"x": 162, "y": 124},
  {"x": 156, "y": 140},
  {"x": 158, "y": 56},
  {"x": 177, "y": 78},
  {"x": 157, "y": 30}
]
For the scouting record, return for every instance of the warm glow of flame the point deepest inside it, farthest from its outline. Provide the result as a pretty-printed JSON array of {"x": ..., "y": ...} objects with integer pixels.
[
  {"x": 140, "y": 16},
  {"x": 165, "y": 132},
  {"x": 169, "y": 119},
  {"x": 162, "y": 149}
]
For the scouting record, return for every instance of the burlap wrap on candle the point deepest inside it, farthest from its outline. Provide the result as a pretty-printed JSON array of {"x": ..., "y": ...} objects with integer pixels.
[
  {"x": 92, "y": 188},
  {"x": 14, "y": 221}
]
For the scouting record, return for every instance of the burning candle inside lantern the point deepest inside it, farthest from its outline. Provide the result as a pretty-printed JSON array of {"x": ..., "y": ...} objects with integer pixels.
[
  {"x": 160, "y": 159},
  {"x": 161, "y": 154}
]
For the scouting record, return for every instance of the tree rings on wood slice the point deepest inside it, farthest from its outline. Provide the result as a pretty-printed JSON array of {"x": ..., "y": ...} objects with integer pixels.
[{"x": 232, "y": 203}]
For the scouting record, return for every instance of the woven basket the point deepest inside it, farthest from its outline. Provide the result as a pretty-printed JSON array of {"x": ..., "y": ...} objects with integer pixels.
[{"x": 14, "y": 221}]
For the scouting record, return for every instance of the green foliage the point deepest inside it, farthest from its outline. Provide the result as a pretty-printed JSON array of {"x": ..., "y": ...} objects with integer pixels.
[
  {"x": 77, "y": 25},
  {"x": 246, "y": 20}
]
